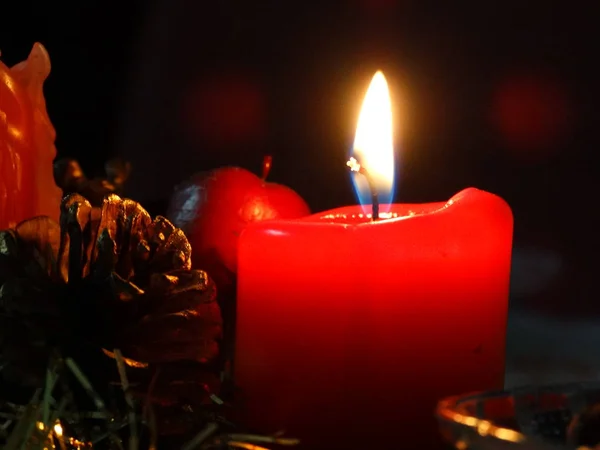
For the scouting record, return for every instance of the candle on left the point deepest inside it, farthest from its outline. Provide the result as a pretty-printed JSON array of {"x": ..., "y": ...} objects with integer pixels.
[{"x": 27, "y": 137}]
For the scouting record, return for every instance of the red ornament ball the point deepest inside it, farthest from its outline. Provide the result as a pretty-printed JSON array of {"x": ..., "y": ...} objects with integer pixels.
[{"x": 213, "y": 209}]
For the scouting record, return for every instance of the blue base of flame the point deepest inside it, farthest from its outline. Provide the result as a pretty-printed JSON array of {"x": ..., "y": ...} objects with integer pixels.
[{"x": 363, "y": 192}]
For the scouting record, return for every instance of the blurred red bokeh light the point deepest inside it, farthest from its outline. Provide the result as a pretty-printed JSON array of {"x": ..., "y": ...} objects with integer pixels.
[
  {"x": 380, "y": 3},
  {"x": 532, "y": 114},
  {"x": 226, "y": 110}
]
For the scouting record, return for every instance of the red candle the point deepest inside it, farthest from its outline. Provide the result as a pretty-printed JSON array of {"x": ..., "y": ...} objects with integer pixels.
[{"x": 350, "y": 329}]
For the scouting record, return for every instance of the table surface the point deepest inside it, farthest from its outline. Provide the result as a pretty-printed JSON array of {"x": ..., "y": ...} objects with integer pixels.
[{"x": 551, "y": 349}]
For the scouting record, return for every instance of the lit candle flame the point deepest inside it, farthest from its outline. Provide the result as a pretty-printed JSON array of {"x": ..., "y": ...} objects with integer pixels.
[
  {"x": 374, "y": 144},
  {"x": 58, "y": 430}
]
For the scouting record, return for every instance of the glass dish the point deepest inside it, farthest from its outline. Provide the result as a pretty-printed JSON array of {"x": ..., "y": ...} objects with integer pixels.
[{"x": 541, "y": 418}]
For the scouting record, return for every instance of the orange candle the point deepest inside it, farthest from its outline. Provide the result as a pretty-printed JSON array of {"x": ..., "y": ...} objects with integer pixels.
[
  {"x": 27, "y": 136},
  {"x": 349, "y": 330}
]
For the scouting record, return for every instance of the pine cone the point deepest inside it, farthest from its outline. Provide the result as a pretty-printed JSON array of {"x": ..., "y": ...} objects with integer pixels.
[{"x": 108, "y": 277}]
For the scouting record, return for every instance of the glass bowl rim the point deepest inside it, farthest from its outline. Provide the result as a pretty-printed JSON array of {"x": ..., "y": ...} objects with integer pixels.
[{"x": 448, "y": 410}]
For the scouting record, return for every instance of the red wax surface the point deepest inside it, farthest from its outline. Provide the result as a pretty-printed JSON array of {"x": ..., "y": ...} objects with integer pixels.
[{"x": 349, "y": 331}]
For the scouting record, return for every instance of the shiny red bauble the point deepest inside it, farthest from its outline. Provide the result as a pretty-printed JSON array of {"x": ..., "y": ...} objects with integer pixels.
[{"x": 214, "y": 208}]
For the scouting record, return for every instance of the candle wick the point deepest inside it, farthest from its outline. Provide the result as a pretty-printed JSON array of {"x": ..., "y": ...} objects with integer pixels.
[
  {"x": 266, "y": 166},
  {"x": 356, "y": 167}
]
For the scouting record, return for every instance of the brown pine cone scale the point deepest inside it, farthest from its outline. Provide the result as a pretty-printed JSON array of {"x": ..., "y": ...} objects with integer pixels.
[{"x": 109, "y": 277}]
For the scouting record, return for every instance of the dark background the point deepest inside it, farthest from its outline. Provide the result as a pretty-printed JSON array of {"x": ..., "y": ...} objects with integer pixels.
[{"x": 501, "y": 95}]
